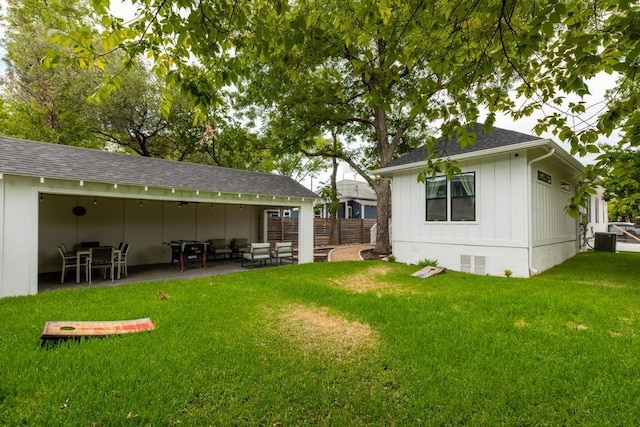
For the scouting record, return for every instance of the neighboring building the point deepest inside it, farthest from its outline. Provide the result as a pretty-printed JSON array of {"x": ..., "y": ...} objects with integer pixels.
[
  {"x": 356, "y": 198},
  {"x": 505, "y": 211},
  {"x": 52, "y": 194},
  {"x": 282, "y": 213}
]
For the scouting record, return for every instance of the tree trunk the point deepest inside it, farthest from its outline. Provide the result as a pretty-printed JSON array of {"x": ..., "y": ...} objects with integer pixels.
[
  {"x": 383, "y": 188},
  {"x": 383, "y": 216},
  {"x": 334, "y": 237}
]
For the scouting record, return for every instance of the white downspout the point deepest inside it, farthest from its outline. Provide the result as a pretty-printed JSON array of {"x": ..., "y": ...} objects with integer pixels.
[{"x": 532, "y": 270}]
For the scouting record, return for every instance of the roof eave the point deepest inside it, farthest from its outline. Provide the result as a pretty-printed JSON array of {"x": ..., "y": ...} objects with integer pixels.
[{"x": 486, "y": 153}]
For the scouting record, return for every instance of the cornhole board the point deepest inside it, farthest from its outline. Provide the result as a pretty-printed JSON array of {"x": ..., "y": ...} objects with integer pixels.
[
  {"x": 76, "y": 329},
  {"x": 425, "y": 273}
]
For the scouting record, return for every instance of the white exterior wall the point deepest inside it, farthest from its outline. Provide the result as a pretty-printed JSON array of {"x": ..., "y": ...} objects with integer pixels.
[
  {"x": 497, "y": 240},
  {"x": 598, "y": 212},
  {"x": 501, "y": 238},
  {"x": 31, "y": 230},
  {"x": 18, "y": 236},
  {"x": 554, "y": 232}
]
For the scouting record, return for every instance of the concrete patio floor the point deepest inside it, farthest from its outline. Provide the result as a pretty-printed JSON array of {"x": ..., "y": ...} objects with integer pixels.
[
  {"x": 166, "y": 271},
  {"x": 142, "y": 273}
]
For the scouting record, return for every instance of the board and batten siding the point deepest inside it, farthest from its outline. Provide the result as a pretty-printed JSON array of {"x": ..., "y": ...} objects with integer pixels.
[
  {"x": 554, "y": 232},
  {"x": 495, "y": 241}
]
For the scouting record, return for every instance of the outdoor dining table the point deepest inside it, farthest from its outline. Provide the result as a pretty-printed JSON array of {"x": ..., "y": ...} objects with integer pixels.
[{"x": 86, "y": 252}]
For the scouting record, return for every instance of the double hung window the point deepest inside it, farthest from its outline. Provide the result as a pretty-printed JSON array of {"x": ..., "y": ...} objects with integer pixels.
[{"x": 451, "y": 200}]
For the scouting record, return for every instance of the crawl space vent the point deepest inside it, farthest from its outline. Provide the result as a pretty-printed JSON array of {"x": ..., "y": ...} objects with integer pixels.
[
  {"x": 473, "y": 264},
  {"x": 465, "y": 263}
]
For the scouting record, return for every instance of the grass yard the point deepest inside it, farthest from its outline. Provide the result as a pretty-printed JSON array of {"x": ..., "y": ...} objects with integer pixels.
[{"x": 358, "y": 343}]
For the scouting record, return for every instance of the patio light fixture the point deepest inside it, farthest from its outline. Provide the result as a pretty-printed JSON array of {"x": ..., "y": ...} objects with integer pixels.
[
  {"x": 140, "y": 202},
  {"x": 41, "y": 197},
  {"x": 95, "y": 200}
]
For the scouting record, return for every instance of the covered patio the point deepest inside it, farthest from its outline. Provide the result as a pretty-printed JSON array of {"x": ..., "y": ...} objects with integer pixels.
[
  {"x": 52, "y": 194},
  {"x": 142, "y": 273}
]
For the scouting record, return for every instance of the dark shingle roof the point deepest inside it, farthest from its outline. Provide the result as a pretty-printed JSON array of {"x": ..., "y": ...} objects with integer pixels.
[
  {"x": 496, "y": 138},
  {"x": 22, "y": 157}
]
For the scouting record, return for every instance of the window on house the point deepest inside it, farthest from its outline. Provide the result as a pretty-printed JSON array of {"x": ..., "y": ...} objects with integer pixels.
[
  {"x": 565, "y": 186},
  {"x": 544, "y": 177},
  {"x": 463, "y": 197},
  {"x": 453, "y": 200},
  {"x": 437, "y": 199}
]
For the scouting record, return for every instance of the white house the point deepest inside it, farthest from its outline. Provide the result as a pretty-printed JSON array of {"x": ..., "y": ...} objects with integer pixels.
[
  {"x": 52, "y": 194},
  {"x": 356, "y": 198},
  {"x": 505, "y": 211}
]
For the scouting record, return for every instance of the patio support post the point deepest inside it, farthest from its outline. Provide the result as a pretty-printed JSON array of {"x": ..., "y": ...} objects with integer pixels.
[{"x": 305, "y": 233}]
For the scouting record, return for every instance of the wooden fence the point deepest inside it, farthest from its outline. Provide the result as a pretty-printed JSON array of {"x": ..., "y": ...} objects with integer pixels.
[{"x": 350, "y": 231}]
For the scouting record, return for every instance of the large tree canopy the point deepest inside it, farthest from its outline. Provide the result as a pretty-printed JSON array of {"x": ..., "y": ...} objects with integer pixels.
[
  {"x": 38, "y": 104},
  {"x": 55, "y": 104},
  {"x": 386, "y": 70}
]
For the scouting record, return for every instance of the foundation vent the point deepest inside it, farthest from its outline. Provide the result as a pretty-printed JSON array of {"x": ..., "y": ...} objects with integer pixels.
[
  {"x": 480, "y": 264},
  {"x": 473, "y": 264},
  {"x": 465, "y": 263}
]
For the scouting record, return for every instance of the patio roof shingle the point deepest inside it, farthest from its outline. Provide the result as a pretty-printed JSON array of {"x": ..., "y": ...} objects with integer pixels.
[{"x": 39, "y": 159}]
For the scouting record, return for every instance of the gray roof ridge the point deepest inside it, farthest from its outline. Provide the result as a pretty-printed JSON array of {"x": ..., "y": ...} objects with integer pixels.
[{"x": 449, "y": 147}]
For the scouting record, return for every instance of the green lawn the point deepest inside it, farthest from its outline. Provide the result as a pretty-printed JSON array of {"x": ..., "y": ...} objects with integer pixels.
[{"x": 359, "y": 343}]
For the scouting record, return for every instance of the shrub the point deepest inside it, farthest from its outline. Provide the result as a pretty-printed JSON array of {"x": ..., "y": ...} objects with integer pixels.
[{"x": 428, "y": 263}]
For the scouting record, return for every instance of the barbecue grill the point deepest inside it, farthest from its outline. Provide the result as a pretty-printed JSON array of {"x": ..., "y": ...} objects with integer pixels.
[{"x": 188, "y": 250}]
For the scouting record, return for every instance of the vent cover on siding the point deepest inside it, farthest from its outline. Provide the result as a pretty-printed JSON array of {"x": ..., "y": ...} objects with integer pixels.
[
  {"x": 479, "y": 264},
  {"x": 465, "y": 263},
  {"x": 473, "y": 264}
]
